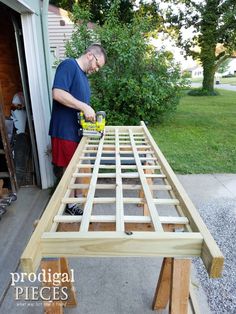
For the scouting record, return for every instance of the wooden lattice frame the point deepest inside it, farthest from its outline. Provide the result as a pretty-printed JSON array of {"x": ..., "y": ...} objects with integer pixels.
[{"x": 126, "y": 152}]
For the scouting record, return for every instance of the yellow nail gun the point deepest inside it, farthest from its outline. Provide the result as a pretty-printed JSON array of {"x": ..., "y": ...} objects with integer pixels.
[{"x": 93, "y": 129}]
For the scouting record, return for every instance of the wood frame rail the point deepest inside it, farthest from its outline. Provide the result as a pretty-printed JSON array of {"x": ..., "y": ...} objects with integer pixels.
[{"x": 125, "y": 159}]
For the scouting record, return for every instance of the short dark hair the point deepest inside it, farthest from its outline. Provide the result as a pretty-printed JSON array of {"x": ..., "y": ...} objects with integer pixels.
[{"x": 98, "y": 50}]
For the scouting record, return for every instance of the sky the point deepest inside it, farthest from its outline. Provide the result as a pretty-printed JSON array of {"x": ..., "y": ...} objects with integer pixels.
[{"x": 168, "y": 44}]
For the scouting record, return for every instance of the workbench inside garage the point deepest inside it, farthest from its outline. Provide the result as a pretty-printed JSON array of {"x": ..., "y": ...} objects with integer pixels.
[{"x": 123, "y": 168}]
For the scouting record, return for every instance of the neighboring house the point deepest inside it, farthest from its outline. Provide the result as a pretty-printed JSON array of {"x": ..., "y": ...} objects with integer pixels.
[
  {"x": 60, "y": 29},
  {"x": 25, "y": 65},
  {"x": 197, "y": 71},
  {"x": 231, "y": 67}
]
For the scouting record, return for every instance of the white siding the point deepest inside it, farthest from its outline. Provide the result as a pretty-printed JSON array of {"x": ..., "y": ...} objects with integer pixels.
[
  {"x": 232, "y": 66},
  {"x": 197, "y": 72},
  {"x": 58, "y": 34}
]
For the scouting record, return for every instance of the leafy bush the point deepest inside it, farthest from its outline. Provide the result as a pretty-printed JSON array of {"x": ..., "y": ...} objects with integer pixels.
[
  {"x": 137, "y": 83},
  {"x": 228, "y": 75},
  {"x": 186, "y": 74}
]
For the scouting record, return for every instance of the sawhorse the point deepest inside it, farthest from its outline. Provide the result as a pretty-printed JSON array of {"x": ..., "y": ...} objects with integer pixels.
[
  {"x": 173, "y": 286},
  {"x": 59, "y": 266}
]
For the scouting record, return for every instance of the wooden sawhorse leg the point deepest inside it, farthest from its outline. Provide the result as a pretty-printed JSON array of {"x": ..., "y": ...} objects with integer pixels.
[
  {"x": 60, "y": 266},
  {"x": 173, "y": 286}
]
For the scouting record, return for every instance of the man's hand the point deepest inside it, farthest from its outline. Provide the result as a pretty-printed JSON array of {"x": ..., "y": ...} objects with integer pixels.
[
  {"x": 68, "y": 100},
  {"x": 89, "y": 113}
]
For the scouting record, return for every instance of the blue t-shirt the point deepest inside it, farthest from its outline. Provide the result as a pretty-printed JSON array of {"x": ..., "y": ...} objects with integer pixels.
[{"x": 64, "y": 120}]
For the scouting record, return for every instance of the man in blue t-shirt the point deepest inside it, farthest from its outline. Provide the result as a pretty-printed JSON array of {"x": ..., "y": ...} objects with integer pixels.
[{"x": 71, "y": 94}]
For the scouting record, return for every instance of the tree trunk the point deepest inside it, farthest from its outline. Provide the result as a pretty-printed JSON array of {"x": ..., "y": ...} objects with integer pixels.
[
  {"x": 208, "y": 59},
  {"x": 208, "y": 77},
  {"x": 208, "y": 42}
]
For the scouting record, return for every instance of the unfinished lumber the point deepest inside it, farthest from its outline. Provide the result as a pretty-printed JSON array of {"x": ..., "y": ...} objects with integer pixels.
[
  {"x": 54, "y": 266},
  {"x": 162, "y": 293},
  {"x": 32, "y": 256},
  {"x": 125, "y": 161},
  {"x": 173, "y": 286},
  {"x": 71, "y": 301},
  {"x": 92, "y": 188},
  {"x": 180, "y": 282},
  {"x": 147, "y": 193},
  {"x": 120, "y": 226},
  {"x": 71, "y": 244},
  {"x": 211, "y": 255}
]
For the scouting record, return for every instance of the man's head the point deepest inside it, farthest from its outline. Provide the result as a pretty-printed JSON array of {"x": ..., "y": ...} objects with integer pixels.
[{"x": 95, "y": 58}]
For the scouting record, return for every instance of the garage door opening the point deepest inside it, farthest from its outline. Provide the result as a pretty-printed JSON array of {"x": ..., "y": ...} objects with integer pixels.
[{"x": 15, "y": 102}]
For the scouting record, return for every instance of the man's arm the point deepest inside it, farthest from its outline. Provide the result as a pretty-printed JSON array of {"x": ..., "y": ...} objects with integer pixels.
[{"x": 68, "y": 100}]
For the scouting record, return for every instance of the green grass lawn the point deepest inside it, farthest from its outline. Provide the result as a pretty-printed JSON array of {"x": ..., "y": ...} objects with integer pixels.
[
  {"x": 196, "y": 80},
  {"x": 201, "y": 135}
]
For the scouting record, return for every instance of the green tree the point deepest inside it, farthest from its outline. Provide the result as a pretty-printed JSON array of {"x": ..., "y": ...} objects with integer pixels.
[
  {"x": 99, "y": 8},
  {"x": 64, "y": 4},
  {"x": 224, "y": 66},
  {"x": 213, "y": 23},
  {"x": 137, "y": 83},
  {"x": 151, "y": 11}
]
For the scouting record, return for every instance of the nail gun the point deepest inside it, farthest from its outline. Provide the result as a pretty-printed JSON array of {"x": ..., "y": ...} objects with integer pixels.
[{"x": 93, "y": 129}]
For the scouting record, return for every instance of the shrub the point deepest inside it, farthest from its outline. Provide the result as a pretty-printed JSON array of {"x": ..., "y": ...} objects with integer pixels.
[
  {"x": 228, "y": 75},
  {"x": 137, "y": 83},
  {"x": 186, "y": 74},
  {"x": 202, "y": 92}
]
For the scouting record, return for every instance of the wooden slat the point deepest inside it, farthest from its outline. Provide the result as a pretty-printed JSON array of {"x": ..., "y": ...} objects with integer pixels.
[
  {"x": 62, "y": 206},
  {"x": 148, "y": 158},
  {"x": 127, "y": 200},
  {"x": 91, "y": 191},
  {"x": 31, "y": 256},
  {"x": 81, "y": 166},
  {"x": 179, "y": 296},
  {"x": 71, "y": 301},
  {"x": 124, "y": 129},
  {"x": 211, "y": 255},
  {"x": 162, "y": 293},
  {"x": 100, "y": 186},
  {"x": 128, "y": 147},
  {"x": 120, "y": 226},
  {"x": 128, "y": 175},
  {"x": 152, "y": 167},
  {"x": 51, "y": 266},
  {"x": 127, "y": 219},
  {"x": 167, "y": 244},
  {"x": 148, "y": 195}
]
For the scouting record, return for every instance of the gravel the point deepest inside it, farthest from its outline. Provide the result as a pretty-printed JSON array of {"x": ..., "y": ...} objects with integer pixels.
[{"x": 220, "y": 218}]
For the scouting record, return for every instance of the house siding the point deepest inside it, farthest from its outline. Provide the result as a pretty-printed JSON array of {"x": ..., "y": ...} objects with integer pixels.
[{"x": 58, "y": 34}]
